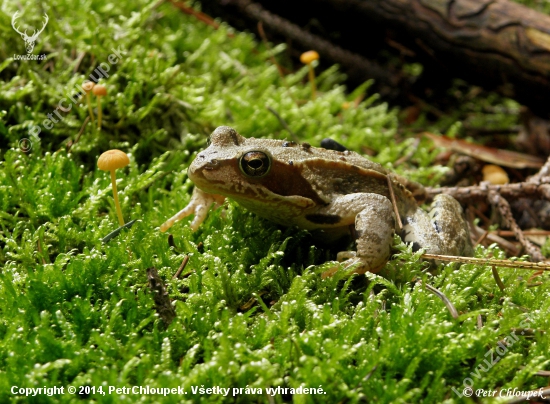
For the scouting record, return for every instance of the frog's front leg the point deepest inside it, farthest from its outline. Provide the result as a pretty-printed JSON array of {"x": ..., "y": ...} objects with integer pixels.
[
  {"x": 374, "y": 229},
  {"x": 199, "y": 205}
]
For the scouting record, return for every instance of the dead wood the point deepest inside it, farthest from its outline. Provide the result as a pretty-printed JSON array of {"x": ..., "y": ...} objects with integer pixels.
[
  {"x": 492, "y": 42},
  {"x": 508, "y": 191},
  {"x": 504, "y": 208},
  {"x": 163, "y": 305},
  {"x": 537, "y": 186},
  {"x": 353, "y": 64},
  {"x": 497, "y": 44}
]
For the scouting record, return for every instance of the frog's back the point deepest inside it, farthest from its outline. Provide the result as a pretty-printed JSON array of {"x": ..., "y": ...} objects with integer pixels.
[
  {"x": 332, "y": 173},
  {"x": 318, "y": 174},
  {"x": 292, "y": 153}
]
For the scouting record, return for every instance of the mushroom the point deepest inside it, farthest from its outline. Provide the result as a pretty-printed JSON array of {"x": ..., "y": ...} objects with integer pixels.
[
  {"x": 495, "y": 174},
  {"x": 100, "y": 91},
  {"x": 88, "y": 86},
  {"x": 308, "y": 58},
  {"x": 110, "y": 161}
]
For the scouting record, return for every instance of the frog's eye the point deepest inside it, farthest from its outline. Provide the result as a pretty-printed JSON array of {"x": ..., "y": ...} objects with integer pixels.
[{"x": 255, "y": 164}]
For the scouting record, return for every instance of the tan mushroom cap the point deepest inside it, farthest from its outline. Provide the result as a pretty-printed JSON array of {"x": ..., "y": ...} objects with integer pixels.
[
  {"x": 99, "y": 90},
  {"x": 112, "y": 160},
  {"x": 308, "y": 57},
  {"x": 88, "y": 86},
  {"x": 495, "y": 174}
]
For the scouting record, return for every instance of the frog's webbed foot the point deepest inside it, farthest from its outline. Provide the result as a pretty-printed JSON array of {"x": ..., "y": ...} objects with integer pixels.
[
  {"x": 199, "y": 205},
  {"x": 374, "y": 227}
]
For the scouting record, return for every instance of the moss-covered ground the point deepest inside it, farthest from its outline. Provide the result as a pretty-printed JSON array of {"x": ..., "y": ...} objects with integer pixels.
[{"x": 252, "y": 311}]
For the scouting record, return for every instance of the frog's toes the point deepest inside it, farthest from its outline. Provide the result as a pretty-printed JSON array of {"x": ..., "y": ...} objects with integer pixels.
[
  {"x": 331, "y": 271},
  {"x": 200, "y": 211},
  {"x": 359, "y": 265},
  {"x": 199, "y": 205},
  {"x": 345, "y": 255}
]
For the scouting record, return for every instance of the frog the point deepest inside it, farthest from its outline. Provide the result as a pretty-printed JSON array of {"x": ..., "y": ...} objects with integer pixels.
[{"x": 331, "y": 193}]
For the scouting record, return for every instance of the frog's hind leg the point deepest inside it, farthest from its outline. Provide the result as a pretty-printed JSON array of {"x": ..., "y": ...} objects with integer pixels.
[{"x": 441, "y": 231}]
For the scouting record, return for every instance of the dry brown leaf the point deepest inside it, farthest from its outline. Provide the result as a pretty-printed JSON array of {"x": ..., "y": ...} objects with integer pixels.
[{"x": 492, "y": 155}]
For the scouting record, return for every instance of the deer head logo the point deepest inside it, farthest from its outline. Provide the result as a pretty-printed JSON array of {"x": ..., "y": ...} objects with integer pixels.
[{"x": 29, "y": 40}]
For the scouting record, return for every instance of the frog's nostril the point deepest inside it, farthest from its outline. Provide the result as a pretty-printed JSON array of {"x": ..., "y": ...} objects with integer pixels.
[{"x": 213, "y": 163}]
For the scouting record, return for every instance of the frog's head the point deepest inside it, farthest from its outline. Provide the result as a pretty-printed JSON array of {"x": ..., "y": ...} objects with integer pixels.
[
  {"x": 232, "y": 165},
  {"x": 251, "y": 171}
]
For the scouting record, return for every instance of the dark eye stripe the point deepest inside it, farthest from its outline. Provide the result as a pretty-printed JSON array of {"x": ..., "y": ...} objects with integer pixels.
[{"x": 319, "y": 218}]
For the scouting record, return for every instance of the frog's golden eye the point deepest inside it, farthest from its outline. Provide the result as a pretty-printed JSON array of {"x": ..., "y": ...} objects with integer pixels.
[{"x": 255, "y": 164}]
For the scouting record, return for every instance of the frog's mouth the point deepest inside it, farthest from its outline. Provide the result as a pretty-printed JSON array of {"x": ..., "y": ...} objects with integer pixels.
[{"x": 212, "y": 175}]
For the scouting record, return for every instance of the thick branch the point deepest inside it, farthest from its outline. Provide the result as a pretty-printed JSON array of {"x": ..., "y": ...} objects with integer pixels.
[
  {"x": 354, "y": 64},
  {"x": 494, "y": 43}
]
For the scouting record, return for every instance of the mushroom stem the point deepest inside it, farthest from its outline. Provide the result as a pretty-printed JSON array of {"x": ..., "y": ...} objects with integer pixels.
[
  {"x": 99, "y": 114},
  {"x": 312, "y": 81},
  {"x": 99, "y": 90},
  {"x": 90, "y": 106},
  {"x": 115, "y": 197},
  {"x": 308, "y": 58}
]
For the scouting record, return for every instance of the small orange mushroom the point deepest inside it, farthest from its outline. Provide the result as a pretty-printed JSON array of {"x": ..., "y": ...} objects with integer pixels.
[
  {"x": 495, "y": 174},
  {"x": 100, "y": 91},
  {"x": 88, "y": 86},
  {"x": 111, "y": 160},
  {"x": 308, "y": 58}
]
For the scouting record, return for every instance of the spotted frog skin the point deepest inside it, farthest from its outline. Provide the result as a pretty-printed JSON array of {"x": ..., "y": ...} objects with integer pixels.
[{"x": 328, "y": 191}]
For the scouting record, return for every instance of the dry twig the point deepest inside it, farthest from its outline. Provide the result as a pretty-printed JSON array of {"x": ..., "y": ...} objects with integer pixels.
[
  {"x": 71, "y": 144},
  {"x": 352, "y": 62},
  {"x": 508, "y": 191},
  {"x": 163, "y": 306},
  {"x": 536, "y": 266},
  {"x": 497, "y": 278},
  {"x": 450, "y": 306},
  {"x": 504, "y": 209},
  {"x": 182, "y": 267},
  {"x": 538, "y": 186},
  {"x": 197, "y": 14}
]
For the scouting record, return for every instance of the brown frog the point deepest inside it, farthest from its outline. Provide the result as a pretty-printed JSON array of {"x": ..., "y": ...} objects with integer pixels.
[{"x": 334, "y": 192}]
